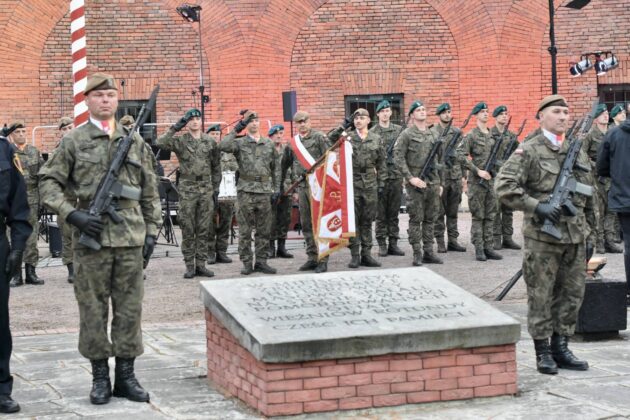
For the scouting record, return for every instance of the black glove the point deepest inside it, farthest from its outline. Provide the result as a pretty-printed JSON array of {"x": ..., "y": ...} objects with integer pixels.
[
  {"x": 90, "y": 225},
  {"x": 181, "y": 123},
  {"x": 247, "y": 118},
  {"x": 147, "y": 249},
  {"x": 275, "y": 197},
  {"x": 215, "y": 199},
  {"x": 347, "y": 123},
  {"x": 14, "y": 263},
  {"x": 547, "y": 211}
]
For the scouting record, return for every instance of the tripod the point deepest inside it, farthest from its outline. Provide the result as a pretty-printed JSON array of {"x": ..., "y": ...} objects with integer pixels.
[{"x": 168, "y": 195}]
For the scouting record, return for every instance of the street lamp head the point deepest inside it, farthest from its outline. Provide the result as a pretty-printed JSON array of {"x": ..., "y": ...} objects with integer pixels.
[
  {"x": 578, "y": 68},
  {"x": 190, "y": 12},
  {"x": 577, "y": 4},
  {"x": 603, "y": 65}
]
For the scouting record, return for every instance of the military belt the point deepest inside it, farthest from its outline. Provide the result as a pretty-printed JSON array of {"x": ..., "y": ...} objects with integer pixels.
[
  {"x": 197, "y": 178},
  {"x": 257, "y": 178},
  {"x": 117, "y": 204}
]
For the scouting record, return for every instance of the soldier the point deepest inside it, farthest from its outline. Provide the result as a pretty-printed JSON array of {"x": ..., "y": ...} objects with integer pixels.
[
  {"x": 554, "y": 270},
  {"x": 315, "y": 143},
  {"x": 503, "y": 221},
  {"x": 618, "y": 115},
  {"x": 280, "y": 209},
  {"x": 256, "y": 157},
  {"x": 453, "y": 178},
  {"x": 605, "y": 228},
  {"x": 423, "y": 196},
  {"x": 115, "y": 271},
  {"x": 389, "y": 202},
  {"x": 199, "y": 179},
  {"x": 66, "y": 125},
  {"x": 223, "y": 212},
  {"x": 30, "y": 160},
  {"x": 13, "y": 213},
  {"x": 481, "y": 199}
]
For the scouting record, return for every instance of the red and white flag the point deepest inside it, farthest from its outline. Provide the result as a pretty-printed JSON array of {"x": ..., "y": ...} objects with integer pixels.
[{"x": 302, "y": 154}]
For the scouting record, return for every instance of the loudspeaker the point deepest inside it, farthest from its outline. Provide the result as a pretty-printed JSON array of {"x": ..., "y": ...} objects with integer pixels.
[
  {"x": 55, "y": 244},
  {"x": 603, "y": 308},
  {"x": 289, "y": 105}
]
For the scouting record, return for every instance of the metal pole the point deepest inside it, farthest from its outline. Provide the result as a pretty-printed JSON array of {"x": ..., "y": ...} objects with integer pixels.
[
  {"x": 552, "y": 50},
  {"x": 201, "y": 86}
]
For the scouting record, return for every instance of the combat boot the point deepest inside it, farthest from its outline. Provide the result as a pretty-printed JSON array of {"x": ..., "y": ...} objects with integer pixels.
[
  {"x": 322, "y": 267},
  {"x": 101, "y": 391},
  {"x": 308, "y": 265},
  {"x": 497, "y": 244},
  {"x": 544, "y": 362},
  {"x": 430, "y": 258},
  {"x": 600, "y": 248},
  {"x": 222, "y": 258},
  {"x": 282, "y": 250},
  {"x": 125, "y": 384},
  {"x": 441, "y": 247},
  {"x": 564, "y": 358},
  {"x": 480, "y": 255},
  {"x": 31, "y": 276},
  {"x": 417, "y": 257},
  {"x": 263, "y": 267},
  {"x": 454, "y": 246},
  {"x": 368, "y": 261},
  {"x": 354, "y": 262},
  {"x": 272, "y": 249},
  {"x": 17, "y": 280},
  {"x": 190, "y": 272},
  {"x": 203, "y": 272},
  {"x": 382, "y": 248},
  {"x": 8, "y": 405},
  {"x": 70, "y": 273},
  {"x": 393, "y": 249},
  {"x": 613, "y": 248},
  {"x": 247, "y": 268},
  {"x": 492, "y": 255},
  {"x": 212, "y": 258},
  {"x": 508, "y": 243}
]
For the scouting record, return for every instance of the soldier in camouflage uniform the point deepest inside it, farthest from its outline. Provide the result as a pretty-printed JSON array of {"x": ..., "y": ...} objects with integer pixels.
[
  {"x": 554, "y": 270},
  {"x": 423, "y": 196},
  {"x": 256, "y": 156},
  {"x": 453, "y": 177},
  {"x": 503, "y": 221},
  {"x": 280, "y": 209},
  {"x": 224, "y": 211},
  {"x": 481, "y": 199},
  {"x": 65, "y": 126},
  {"x": 316, "y": 143},
  {"x": 536, "y": 132},
  {"x": 115, "y": 270},
  {"x": 605, "y": 229},
  {"x": 389, "y": 202},
  {"x": 30, "y": 160},
  {"x": 199, "y": 179}
]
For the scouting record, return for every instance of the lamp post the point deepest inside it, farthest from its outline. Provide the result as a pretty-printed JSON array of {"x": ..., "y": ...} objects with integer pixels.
[{"x": 192, "y": 13}]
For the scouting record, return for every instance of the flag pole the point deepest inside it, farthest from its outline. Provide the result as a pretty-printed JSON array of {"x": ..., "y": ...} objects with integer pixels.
[{"x": 79, "y": 60}]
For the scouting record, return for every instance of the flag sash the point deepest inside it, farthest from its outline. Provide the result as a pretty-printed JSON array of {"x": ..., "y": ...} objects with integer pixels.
[{"x": 302, "y": 154}]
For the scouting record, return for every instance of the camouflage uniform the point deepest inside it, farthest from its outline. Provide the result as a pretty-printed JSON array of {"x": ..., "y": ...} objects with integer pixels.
[
  {"x": 31, "y": 160},
  {"x": 504, "y": 219},
  {"x": 481, "y": 199},
  {"x": 199, "y": 177},
  {"x": 390, "y": 201},
  {"x": 220, "y": 235},
  {"x": 256, "y": 182},
  {"x": 114, "y": 271},
  {"x": 554, "y": 270},
  {"x": 411, "y": 151},
  {"x": 281, "y": 210},
  {"x": 316, "y": 143},
  {"x": 536, "y": 132},
  {"x": 66, "y": 229}
]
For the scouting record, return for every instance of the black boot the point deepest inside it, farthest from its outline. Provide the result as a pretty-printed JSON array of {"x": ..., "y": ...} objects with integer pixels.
[
  {"x": 101, "y": 391},
  {"x": 212, "y": 258},
  {"x": 354, "y": 262},
  {"x": 263, "y": 267},
  {"x": 613, "y": 248},
  {"x": 190, "y": 272},
  {"x": 368, "y": 261},
  {"x": 431, "y": 258},
  {"x": 272, "y": 249},
  {"x": 126, "y": 385},
  {"x": 31, "y": 276},
  {"x": 203, "y": 272},
  {"x": 247, "y": 268},
  {"x": 508, "y": 243},
  {"x": 382, "y": 248},
  {"x": 282, "y": 250},
  {"x": 308, "y": 265},
  {"x": 497, "y": 244},
  {"x": 222, "y": 258},
  {"x": 70, "y": 273},
  {"x": 8, "y": 405},
  {"x": 322, "y": 267},
  {"x": 417, "y": 259},
  {"x": 441, "y": 246},
  {"x": 480, "y": 255},
  {"x": 492, "y": 255},
  {"x": 563, "y": 356},
  {"x": 544, "y": 362},
  {"x": 17, "y": 280},
  {"x": 393, "y": 248},
  {"x": 454, "y": 246}
]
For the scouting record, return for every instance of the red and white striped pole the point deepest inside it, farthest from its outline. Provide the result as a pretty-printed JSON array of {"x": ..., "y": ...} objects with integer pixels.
[{"x": 79, "y": 60}]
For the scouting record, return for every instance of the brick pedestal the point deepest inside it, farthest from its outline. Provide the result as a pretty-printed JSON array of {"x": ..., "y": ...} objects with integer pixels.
[{"x": 343, "y": 384}]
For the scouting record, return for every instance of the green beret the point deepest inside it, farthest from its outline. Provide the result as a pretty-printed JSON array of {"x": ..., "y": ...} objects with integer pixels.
[
  {"x": 193, "y": 112},
  {"x": 479, "y": 107},
  {"x": 100, "y": 81},
  {"x": 552, "y": 100},
  {"x": 616, "y": 110},
  {"x": 275, "y": 129},
  {"x": 64, "y": 122},
  {"x": 382, "y": 105},
  {"x": 415, "y": 105},
  {"x": 214, "y": 127},
  {"x": 601, "y": 108},
  {"x": 498, "y": 110},
  {"x": 443, "y": 107}
]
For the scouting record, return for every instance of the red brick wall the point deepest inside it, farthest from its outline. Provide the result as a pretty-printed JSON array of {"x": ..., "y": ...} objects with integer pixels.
[{"x": 461, "y": 51}]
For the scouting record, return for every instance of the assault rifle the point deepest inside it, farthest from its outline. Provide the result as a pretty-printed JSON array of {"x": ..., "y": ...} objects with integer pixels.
[
  {"x": 450, "y": 151},
  {"x": 513, "y": 144},
  {"x": 390, "y": 148},
  {"x": 110, "y": 189},
  {"x": 566, "y": 184},
  {"x": 429, "y": 163},
  {"x": 492, "y": 159}
]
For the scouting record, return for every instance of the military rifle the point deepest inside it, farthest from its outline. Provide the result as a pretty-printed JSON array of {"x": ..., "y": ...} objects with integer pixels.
[
  {"x": 450, "y": 151},
  {"x": 492, "y": 159},
  {"x": 513, "y": 144},
  {"x": 566, "y": 184},
  {"x": 110, "y": 189},
  {"x": 429, "y": 163},
  {"x": 390, "y": 147}
]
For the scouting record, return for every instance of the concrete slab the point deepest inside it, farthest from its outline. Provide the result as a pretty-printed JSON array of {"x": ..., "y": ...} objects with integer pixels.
[{"x": 354, "y": 314}]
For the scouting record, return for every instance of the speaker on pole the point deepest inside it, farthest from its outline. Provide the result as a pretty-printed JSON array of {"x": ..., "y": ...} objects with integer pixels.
[{"x": 289, "y": 105}]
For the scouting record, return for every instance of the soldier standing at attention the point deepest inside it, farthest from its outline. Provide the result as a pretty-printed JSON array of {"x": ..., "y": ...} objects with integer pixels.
[
  {"x": 256, "y": 156},
  {"x": 115, "y": 270},
  {"x": 554, "y": 270},
  {"x": 453, "y": 177},
  {"x": 30, "y": 160},
  {"x": 389, "y": 202},
  {"x": 199, "y": 179},
  {"x": 13, "y": 213},
  {"x": 618, "y": 115},
  {"x": 66, "y": 125},
  {"x": 315, "y": 143},
  {"x": 423, "y": 196},
  {"x": 481, "y": 199},
  {"x": 281, "y": 208},
  {"x": 223, "y": 212},
  {"x": 503, "y": 222}
]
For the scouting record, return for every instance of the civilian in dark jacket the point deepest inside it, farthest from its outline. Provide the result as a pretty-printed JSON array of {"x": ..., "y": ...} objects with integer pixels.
[{"x": 613, "y": 156}]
